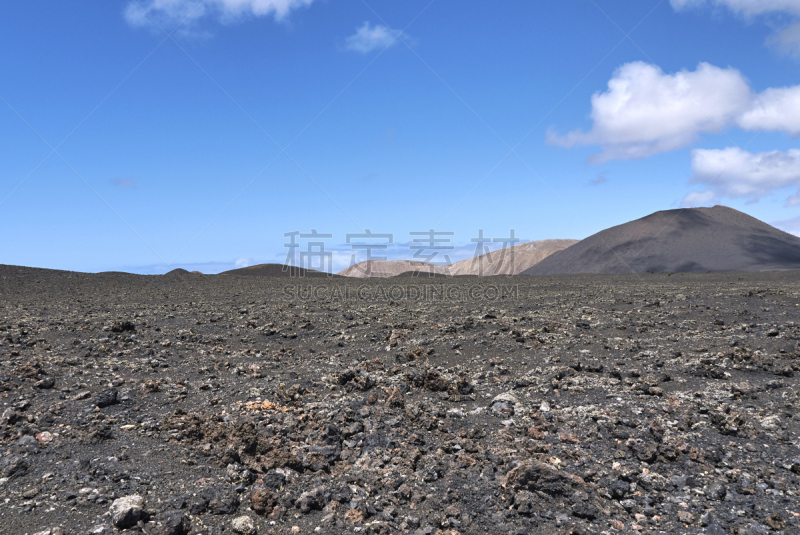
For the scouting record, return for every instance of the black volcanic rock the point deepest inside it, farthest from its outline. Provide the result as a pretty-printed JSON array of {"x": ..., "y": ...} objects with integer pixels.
[
  {"x": 688, "y": 240},
  {"x": 106, "y": 398}
]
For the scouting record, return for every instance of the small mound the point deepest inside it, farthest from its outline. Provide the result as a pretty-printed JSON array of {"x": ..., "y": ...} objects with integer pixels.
[
  {"x": 275, "y": 270},
  {"x": 177, "y": 272}
]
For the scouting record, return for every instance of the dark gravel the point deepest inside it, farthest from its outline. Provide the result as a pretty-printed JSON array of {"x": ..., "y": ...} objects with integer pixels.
[{"x": 242, "y": 404}]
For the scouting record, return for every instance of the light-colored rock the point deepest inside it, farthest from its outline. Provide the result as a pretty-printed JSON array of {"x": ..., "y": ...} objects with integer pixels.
[
  {"x": 686, "y": 517},
  {"x": 125, "y": 511},
  {"x": 505, "y": 398},
  {"x": 504, "y": 407},
  {"x": 771, "y": 423},
  {"x": 243, "y": 525}
]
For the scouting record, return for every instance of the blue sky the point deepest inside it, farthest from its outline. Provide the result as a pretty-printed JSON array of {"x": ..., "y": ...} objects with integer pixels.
[{"x": 148, "y": 135}]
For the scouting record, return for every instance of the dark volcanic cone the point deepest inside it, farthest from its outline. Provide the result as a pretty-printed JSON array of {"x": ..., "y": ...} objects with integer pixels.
[{"x": 693, "y": 240}]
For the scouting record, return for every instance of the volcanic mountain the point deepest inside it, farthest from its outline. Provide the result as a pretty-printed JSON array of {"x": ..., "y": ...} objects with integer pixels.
[
  {"x": 511, "y": 260},
  {"x": 693, "y": 240}
]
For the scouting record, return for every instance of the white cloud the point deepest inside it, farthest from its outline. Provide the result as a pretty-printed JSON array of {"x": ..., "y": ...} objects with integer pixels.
[
  {"x": 774, "y": 110},
  {"x": 700, "y": 198},
  {"x": 747, "y": 8},
  {"x": 736, "y": 173},
  {"x": 646, "y": 111},
  {"x": 243, "y": 262},
  {"x": 368, "y": 38},
  {"x": 787, "y": 39},
  {"x": 143, "y": 12}
]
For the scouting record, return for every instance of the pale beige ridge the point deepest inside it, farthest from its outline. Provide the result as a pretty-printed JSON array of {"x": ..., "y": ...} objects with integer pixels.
[{"x": 509, "y": 261}]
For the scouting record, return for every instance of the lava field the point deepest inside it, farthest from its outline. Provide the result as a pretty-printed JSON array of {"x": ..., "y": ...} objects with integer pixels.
[{"x": 188, "y": 404}]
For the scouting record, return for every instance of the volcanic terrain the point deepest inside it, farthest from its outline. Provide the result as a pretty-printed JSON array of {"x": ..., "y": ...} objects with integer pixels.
[{"x": 235, "y": 403}]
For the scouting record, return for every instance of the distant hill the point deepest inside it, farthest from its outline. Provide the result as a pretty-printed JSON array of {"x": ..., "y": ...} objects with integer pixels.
[
  {"x": 695, "y": 240},
  {"x": 512, "y": 260},
  {"x": 275, "y": 270},
  {"x": 180, "y": 272},
  {"x": 390, "y": 268}
]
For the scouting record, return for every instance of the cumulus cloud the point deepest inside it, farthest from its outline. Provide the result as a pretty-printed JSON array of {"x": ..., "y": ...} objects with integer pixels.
[
  {"x": 143, "y": 12},
  {"x": 786, "y": 38},
  {"x": 699, "y": 198},
  {"x": 746, "y": 8},
  {"x": 736, "y": 173},
  {"x": 368, "y": 38},
  {"x": 774, "y": 110},
  {"x": 645, "y": 111}
]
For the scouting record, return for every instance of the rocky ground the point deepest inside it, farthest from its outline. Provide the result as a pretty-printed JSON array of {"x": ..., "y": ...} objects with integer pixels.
[{"x": 223, "y": 404}]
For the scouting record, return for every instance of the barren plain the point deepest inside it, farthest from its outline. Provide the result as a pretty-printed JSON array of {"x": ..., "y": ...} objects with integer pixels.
[{"x": 186, "y": 403}]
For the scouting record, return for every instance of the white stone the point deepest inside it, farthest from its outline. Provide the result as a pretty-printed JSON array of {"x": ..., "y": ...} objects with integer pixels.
[
  {"x": 771, "y": 423},
  {"x": 243, "y": 525},
  {"x": 125, "y": 511},
  {"x": 505, "y": 398}
]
